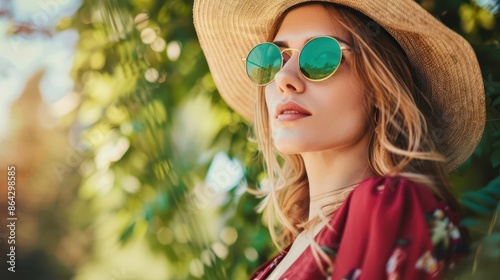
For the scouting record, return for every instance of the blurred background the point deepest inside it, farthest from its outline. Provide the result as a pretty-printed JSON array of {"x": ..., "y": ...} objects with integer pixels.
[{"x": 130, "y": 166}]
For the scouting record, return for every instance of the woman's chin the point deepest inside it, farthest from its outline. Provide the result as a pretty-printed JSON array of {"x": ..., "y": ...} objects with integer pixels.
[{"x": 291, "y": 147}]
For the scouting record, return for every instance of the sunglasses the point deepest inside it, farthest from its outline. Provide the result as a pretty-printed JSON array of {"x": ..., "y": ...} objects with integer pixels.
[{"x": 318, "y": 60}]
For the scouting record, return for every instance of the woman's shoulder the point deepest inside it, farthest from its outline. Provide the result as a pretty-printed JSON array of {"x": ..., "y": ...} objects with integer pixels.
[
  {"x": 391, "y": 224},
  {"x": 391, "y": 202},
  {"x": 396, "y": 192},
  {"x": 390, "y": 183},
  {"x": 395, "y": 195}
]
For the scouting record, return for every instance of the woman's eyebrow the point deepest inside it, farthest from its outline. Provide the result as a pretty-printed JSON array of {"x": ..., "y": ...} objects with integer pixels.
[
  {"x": 284, "y": 44},
  {"x": 340, "y": 40},
  {"x": 281, "y": 44}
]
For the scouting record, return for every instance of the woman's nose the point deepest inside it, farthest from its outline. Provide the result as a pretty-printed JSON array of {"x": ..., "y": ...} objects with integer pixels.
[{"x": 288, "y": 79}]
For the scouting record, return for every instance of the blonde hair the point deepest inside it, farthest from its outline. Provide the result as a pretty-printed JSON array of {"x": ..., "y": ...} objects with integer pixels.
[{"x": 402, "y": 142}]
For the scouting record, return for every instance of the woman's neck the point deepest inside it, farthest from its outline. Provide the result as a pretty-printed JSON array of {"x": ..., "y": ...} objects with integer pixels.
[{"x": 335, "y": 169}]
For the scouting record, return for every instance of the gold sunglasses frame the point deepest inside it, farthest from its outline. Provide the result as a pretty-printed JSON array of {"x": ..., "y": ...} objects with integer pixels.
[{"x": 342, "y": 48}]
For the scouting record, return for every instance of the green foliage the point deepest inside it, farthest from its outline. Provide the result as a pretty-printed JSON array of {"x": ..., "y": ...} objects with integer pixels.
[
  {"x": 139, "y": 66},
  {"x": 478, "y": 22}
]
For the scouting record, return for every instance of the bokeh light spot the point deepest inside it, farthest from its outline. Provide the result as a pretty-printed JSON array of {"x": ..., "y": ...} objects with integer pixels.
[
  {"x": 148, "y": 35},
  {"x": 220, "y": 250},
  {"x": 131, "y": 184},
  {"x": 164, "y": 236},
  {"x": 159, "y": 45},
  {"x": 251, "y": 254},
  {"x": 196, "y": 268},
  {"x": 141, "y": 20},
  {"x": 229, "y": 235},
  {"x": 173, "y": 50},
  {"x": 151, "y": 75}
]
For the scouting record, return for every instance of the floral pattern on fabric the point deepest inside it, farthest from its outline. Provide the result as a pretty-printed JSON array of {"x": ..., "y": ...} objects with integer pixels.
[
  {"x": 443, "y": 233},
  {"x": 396, "y": 260},
  {"x": 429, "y": 264},
  {"x": 353, "y": 274}
]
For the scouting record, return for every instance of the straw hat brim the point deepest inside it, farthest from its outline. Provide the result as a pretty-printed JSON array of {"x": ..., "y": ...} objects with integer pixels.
[{"x": 445, "y": 65}]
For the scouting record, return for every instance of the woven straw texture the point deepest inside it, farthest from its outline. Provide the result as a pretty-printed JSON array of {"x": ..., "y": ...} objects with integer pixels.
[{"x": 445, "y": 64}]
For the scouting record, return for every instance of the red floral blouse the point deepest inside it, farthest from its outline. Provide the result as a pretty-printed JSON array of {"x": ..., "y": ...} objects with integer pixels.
[{"x": 388, "y": 228}]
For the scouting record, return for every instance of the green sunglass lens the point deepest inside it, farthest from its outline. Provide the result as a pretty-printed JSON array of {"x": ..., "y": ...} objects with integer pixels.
[
  {"x": 263, "y": 62},
  {"x": 320, "y": 58}
]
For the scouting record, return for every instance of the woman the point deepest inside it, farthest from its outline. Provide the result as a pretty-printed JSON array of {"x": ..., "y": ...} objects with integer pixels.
[{"x": 360, "y": 110}]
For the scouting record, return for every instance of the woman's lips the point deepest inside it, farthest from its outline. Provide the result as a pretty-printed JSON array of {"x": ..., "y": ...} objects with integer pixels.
[
  {"x": 290, "y": 111},
  {"x": 291, "y": 116}
]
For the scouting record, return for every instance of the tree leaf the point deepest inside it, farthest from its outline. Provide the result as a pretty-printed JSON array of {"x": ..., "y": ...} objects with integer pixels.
[
  {"x": 496, "y": 102},
  {"x": 495, "y": 158},
  {"x": 474, "y": 206},
  {"x": 127, "y": 233},
  {"x": 481, "y": 196},
  {"x": 148, "y": 212},
  {"x": 476, "y": 224},
  {"x": 493, "y": 186},
  {"x": 493, "y": 238}
]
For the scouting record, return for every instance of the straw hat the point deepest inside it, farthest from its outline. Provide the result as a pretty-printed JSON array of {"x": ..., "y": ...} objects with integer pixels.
[{"x": 445, "y": 64}]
